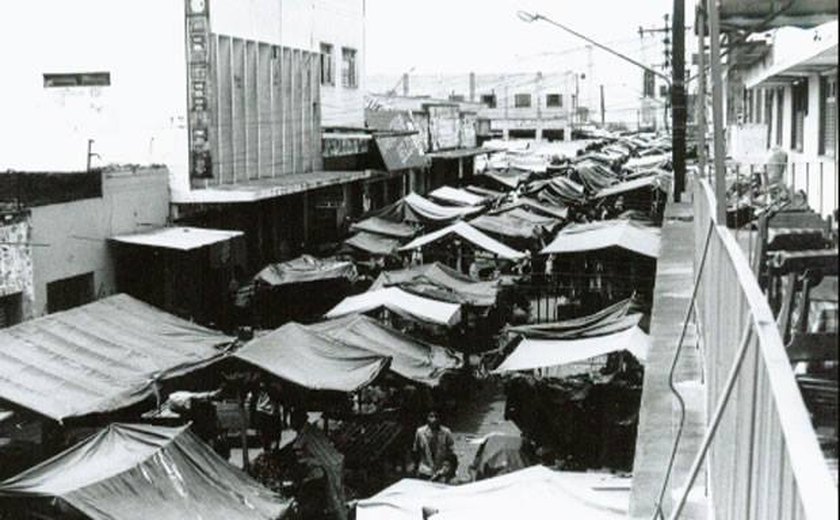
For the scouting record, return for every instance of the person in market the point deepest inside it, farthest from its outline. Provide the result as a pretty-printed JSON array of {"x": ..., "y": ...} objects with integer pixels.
[{"x": 432, "y": 452}]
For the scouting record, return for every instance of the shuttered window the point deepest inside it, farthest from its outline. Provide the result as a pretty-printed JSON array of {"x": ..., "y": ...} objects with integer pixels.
[{"x": 828, "y": 115}]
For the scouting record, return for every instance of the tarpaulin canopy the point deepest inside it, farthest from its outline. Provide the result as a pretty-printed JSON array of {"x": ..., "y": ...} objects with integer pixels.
[
  {"x": 478, "y": 190},
  {"x": 533, "y": 206},
  {"x": 179, "y": 238},
  {"x": 559, "y": 191},
  {"x": 510, "y": 178},
  {"x": 381, "y": 226},
  {"x": 304, "y": 269},
  {"x": 373, "y": 243},
  {"x": 411, "y": 358},
  {"x": 625, "y": 234},
  {"x": 594, "y": 176},
  {"x": 457, "y": 197},
  {"x": 299, "y": 355},
  {"x": 140, "y": 472},
  {"x": 615, "y": 318},
  {"x": 469, "y": 291},
  {"x": 650, "y": 182},
  {"x": 470, "y": 234},
  {"x": 531, "y": 354},
  {"x": 99, "y": 357},
  {"x": 402, "y": 303},
  {"x": 535, "y": 493},
  {"x": 414, "y": 208},
  {"x": 515, "y": 224}
]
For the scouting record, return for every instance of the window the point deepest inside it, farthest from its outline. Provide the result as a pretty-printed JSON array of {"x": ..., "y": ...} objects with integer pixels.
[
  {"x": 799, "y": 108},
  {"x": 554, "y": 100},
  {"x": 828, "y": 115},
  {"x": 489, "y": 100},
  {"x": 522, "y": 133},
  {"x": 69, "y": 292},
  {"x": 78, "y": 79},
  {"x": 349, "y": 76},
  {"x": 327, "y": 77},
  {"x": 522, "y": 100},
  {"x": 10, "y": 310},
  {"x": 780, "y": 104},
  {"x": 458, "y": 98}
]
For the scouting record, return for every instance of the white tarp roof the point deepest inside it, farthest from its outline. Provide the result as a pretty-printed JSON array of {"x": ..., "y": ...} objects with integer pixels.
[
  {"x": 402, "y": 303},
  {"x": 470, "y": 234},
  {"x": 531, "y": 353},
  {"x": 180, "y": 238},
  {"x": 625, "y": 234},
  {"x": 457, "y": 196},
  {"x": 535, "y": 493},
  {"x": 433, "y": 211}
]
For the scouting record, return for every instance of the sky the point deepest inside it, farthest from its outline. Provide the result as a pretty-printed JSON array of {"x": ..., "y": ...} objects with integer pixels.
[{"x": 486, "y": 36}]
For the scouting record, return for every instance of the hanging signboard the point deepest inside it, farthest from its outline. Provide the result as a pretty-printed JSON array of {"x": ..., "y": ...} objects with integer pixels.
[{"x": 198, "y": 87}]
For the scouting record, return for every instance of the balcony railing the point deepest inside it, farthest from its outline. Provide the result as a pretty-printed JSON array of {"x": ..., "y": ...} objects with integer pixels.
[{"x": 760, "y": 450}]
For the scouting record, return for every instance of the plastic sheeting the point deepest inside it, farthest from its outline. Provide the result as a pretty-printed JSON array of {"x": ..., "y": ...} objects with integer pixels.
[
  {"x": 458, "y": 197},
  {"x": 535, "y": 493},
  {"x": 373, "y": 244},
  {"x": 304, "y": 269},
  {"x": 411, "y": 358},
  {"x": 141, "y": 472},
  {"x": 402, "y": 303},
  {"x": 532, "y": 354},
  {"x": 467, "y": 290},
  {"x": 624, "y": 234},
  {"x": 414, "y": 208},
  {"x": 99, "y": 357},
  {"x": 380, "y": 226},
  {"x": 314, "y": 361},
  {"x": 470, "y": 234}
]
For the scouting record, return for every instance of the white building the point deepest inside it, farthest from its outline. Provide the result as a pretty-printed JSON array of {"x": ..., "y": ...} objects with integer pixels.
[{"x": 224, "y": 93}]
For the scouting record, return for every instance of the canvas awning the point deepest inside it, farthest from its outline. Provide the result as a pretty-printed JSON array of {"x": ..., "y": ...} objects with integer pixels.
[
  {"x": 467, "y": 290},
  {"x": 99, "y": 357},
  {"x": 516, "y": 223},
  {"x": 532, "y": 354},
  {"x": 305, "y": 269},
  {"x": 140, "y": 471},
  {"x": 410, "y": 357},
  {"x": 381, "y": 226},
  {"x": 402, "y": 303},
  {"x": 625, "y": 234},
  {"x": 471, "y": 235},
  {"x": 178, "y": 238},
  {"x": 535, "y": 493},
  {"x": 305, "y": 358},
  {"x": 373, "y": 243},
  {"x": 414, "y": 208},
  {"x": 558, "y": 212},
  {"x": 458, "y": 197},
  {"x": 559, "y": 191}
]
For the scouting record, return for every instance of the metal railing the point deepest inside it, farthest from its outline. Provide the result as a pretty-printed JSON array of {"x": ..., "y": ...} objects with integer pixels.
[{"x": 760, "y": 450}]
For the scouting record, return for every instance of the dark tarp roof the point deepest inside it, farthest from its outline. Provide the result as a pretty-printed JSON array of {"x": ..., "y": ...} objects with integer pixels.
[
  {"x": 99, "y": 357},
  {"x": 373, "y": 243},
  {"x": 515, "y": 224},
  {"x": 414, "y": 208},
  {"x": 141, "y": 472},
  {"x": 615, "y": 318},
  {"x": 385, "y": 227},
  {"x": 467, "y": 290},
  {"x": 411, "y": 358},
  {"x": 306, "y": 269},
  {"x": 559, "y": 191},
  {"x": 314, "y": 361},
  {"x": 594, "y": 176},
  {"x": 533, "y": 206}
]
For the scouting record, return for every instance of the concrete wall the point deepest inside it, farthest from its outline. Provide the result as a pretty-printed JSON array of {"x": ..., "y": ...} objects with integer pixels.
[
  {"x": 16, "y": 262},
  {"x": 76, "y": 233},
  {"x": 138, "y": 119}
]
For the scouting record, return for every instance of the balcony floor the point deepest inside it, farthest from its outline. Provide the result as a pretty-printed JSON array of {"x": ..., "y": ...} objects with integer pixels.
[{"x": 659, "y": 413}]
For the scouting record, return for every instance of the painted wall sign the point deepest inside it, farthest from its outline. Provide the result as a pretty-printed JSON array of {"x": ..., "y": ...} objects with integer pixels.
[{"x": 199, "y": 86}]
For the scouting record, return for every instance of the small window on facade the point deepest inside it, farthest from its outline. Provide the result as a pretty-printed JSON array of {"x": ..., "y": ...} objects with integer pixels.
[
  {"x": 349, "y": 78},
  {"x": 489, "y": 100},
  {"x": 327, "y": 77},
  {"x": 828, "y": 115},
  {"x": 522, "y": 100},
  {"x": 554, "y": 100},
  {"x": 70, "y": 292},
  {"x": 77, "y": 79}
]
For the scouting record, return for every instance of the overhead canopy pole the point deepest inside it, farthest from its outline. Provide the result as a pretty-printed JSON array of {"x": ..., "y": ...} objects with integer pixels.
[
  {"x": 717, "y": 110},
  {"x": 700, "y": 27}
]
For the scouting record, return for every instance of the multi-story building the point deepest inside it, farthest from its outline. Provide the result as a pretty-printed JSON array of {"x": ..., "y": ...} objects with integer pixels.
[{"x": 230, "y": 97}]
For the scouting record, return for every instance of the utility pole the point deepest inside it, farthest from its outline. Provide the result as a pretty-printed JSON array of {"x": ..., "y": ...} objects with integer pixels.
[
  {"x": 678, "y": 108},
  {"x": 717, "y": 110},
  {"x": 603, "y": 116},
  {"x": 700, "y": 26}
]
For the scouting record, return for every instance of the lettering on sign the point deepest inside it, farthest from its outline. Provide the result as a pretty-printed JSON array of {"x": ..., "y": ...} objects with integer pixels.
[{"x": 199, "y": 87}]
